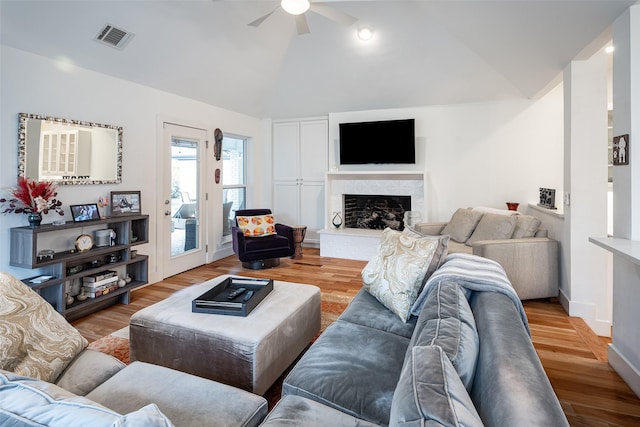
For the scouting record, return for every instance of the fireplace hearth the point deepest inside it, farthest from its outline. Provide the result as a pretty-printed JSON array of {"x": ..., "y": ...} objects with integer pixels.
[{"x": 375, "y": 212}]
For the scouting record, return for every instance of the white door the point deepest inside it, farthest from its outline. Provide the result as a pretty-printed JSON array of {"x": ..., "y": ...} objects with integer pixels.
[{"x": 183, "y": 198}]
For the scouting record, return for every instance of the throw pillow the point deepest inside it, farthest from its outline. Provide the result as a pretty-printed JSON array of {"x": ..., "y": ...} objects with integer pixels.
[
  {"x": 36, "y": 341},
  {"x": 441, "y": 251},
  {"x": 430, "y": 392},
  {"x": 447, "y": 321},
  {"x": 396, "y": 272},
  {"x": 26, "y": 400},
  {"x": 493, "y": 227},
  {"x": 257, "y": 226},
  {"x": 462, "y": 224},
  {"x": 526, "y": 226}
]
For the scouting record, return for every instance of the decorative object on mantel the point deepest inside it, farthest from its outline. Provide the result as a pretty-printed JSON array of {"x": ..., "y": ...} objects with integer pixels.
[
  {"x": 547, "y": 198},
  {"x": 34, "y": 199},
  {"x": 337, "y": 220},
  {"x": 217, "y": 146},
  {"x": 103, "y": 202},
  {"x": 621, "y": 150},
  {"x": 512, "y": 206}
]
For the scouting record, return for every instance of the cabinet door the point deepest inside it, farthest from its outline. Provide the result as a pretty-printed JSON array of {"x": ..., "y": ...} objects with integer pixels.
[
  {"x": 286, "y": 204},
  {"x": 314, "y": 149},
  {"x": 286, "y": 137},
  {"x": 312, "y": 209}
]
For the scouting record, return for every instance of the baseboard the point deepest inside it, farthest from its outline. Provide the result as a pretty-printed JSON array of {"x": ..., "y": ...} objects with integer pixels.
[
  {"x": 587, "y": 312},
  {"x": 564, "y": 301},
  {"x": 625, "y": 369}
]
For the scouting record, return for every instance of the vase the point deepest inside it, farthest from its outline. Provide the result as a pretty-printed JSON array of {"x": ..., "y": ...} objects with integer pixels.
[
  {"x": 34, "y": 218},
  {"x": 337, "y": 220},
  {"x": 512, "y": 206}
]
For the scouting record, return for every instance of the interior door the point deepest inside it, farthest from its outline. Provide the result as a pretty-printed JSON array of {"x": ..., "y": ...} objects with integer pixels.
[{"x": 183, "y": 199}]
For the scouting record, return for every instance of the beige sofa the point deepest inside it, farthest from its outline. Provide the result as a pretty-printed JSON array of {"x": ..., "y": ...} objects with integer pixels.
[{"x": 515, "y": 241}]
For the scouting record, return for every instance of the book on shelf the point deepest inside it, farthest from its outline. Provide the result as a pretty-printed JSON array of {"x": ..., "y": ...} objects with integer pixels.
[
  {"x": 97, "y": 277},
  {"x": 101, "y": 282},
  {"x": 98, "y": 292}
]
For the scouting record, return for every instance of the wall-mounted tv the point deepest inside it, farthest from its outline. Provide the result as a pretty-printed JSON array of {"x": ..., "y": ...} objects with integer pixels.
[{"x": 390, "y": 141}]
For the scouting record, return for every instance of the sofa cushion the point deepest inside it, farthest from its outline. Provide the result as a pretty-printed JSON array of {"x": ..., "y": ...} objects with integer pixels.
[
  {"x": 351, "y": 368},
  {"x": 462, "y": 224},
  {"x": 28, "y": 401},
  {"x": 447, "y": 321},
  {"x": 505, "y": 212},
  {"x": 493, "y": 227},
  {"x": 35, "y": 340},
  {"x": 87, "y": 371},
  {"x": 429, "y": 389},
  {"x": 396, "y": 273},
  {"x": 526, "y": 226},
  {"x": 257, "y": 225}
]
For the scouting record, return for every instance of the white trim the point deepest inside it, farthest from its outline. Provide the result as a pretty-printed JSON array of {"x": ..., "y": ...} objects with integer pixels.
[
  {"x": 588, "y": 312},
  {"x": 625, "y": 369}
]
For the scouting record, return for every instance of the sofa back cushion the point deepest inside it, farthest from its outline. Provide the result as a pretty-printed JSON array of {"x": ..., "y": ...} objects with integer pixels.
[
  {"x": 493, "y": 227},
  {"x": 396, "y": 273},
  {"x": 429, "y": 389},
  {"x": 447, "y": 321},
  {"x": 462, "y": 224},
  {"x": 526, "y": 226},
  {"x": 36, "y": 341},
  {"x": 27, "y": 401}
]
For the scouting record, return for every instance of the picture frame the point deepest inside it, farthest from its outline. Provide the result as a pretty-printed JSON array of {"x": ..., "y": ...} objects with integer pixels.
[
  {"x": 125, "y": 203},
  {"x": 86, "y": 212}
]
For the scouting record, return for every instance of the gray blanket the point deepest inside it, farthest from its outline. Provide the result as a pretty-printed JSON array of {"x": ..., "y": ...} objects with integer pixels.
[{"x": 474, "y": 273}]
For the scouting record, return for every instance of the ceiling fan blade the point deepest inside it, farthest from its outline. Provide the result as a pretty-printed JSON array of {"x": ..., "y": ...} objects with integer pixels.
[
  {"x": 333, "y": 14},
  {"x": 301, "y": 24},
  {"x": 260, "y": 20}
]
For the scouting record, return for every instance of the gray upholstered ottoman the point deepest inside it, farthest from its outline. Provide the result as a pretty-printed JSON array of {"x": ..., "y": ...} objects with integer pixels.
[{"x": 246, "y": 352}]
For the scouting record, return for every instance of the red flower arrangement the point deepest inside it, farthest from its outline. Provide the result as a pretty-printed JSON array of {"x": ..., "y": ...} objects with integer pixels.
[{"x": 33, "y": 197}]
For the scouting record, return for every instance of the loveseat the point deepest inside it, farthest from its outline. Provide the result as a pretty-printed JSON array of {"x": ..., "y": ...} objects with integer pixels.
[
  {"x": 49, "y": 377},
  {"x": 462, "y": 356},
  {"x": 515, "y": 241}
]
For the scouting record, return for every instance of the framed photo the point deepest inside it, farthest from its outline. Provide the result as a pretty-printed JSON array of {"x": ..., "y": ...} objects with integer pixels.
[
  {"x": 87, "y": 212},
  {"x": 125, "y": 203},
  {"x": 621, "y": 150}
]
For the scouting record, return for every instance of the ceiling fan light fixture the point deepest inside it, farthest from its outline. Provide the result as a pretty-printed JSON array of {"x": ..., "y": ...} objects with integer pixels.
[{"x": 295, "y": 7}]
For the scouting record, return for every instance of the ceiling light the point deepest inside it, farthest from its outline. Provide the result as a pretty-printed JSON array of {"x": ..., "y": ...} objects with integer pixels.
[
  {"x": 609, "y": 49},
  {"x": 365, "y": 33},
  {"x": 295, "y": 7}
]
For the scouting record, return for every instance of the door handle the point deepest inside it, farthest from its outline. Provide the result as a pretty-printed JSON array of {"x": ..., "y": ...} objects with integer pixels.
[{"x": 167, "y": 213}]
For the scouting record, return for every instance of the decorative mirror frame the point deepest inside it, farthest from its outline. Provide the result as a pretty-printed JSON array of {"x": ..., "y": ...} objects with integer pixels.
[{"x": 22, "y": 147}]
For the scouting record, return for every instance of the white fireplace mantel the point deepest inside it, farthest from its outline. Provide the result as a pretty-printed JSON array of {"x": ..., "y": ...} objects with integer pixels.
[{"x": 350, "y": 243}]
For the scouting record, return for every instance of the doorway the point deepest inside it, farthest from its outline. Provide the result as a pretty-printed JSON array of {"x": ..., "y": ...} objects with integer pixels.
[{"x": 183, "y": 198}]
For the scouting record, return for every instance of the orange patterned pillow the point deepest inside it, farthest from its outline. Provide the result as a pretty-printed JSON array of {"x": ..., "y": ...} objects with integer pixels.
[{"x": 257, "y": 226}]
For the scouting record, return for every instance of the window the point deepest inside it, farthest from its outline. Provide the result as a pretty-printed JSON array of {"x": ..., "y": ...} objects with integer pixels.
[{"x": 234, "y": 186}]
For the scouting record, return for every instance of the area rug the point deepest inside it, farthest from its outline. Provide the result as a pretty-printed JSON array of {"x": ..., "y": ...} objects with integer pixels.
[{"x": 117, "y": 343}]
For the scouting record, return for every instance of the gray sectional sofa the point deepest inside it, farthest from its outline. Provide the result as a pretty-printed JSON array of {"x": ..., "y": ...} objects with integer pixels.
[
  {"x": 466, "y": 360},
  {"x": 515, "y": 241}
]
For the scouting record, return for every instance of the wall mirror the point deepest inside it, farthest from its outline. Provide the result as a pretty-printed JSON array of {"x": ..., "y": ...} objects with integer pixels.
[{"x": 68, "y": 151}]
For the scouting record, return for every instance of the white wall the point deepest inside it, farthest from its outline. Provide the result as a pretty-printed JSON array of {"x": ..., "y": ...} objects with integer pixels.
[
  {"x": 34, "y": 84},
  {"x": 482, "y": 154}
]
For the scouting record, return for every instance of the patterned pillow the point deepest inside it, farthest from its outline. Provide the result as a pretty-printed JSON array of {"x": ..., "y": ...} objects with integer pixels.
[
  {"x": 441, "y": 251},
  {"x": 35, "y": 340},
  {"x": 257, "y": 226},
  {"x": 396, "y": 272}
]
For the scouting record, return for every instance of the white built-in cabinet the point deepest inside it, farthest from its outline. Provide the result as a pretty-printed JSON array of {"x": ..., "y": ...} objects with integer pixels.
[{"x": 300, "y": 159}]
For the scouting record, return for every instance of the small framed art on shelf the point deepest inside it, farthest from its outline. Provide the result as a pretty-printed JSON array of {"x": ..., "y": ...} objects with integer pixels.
[{"x": 125, "y": 203}]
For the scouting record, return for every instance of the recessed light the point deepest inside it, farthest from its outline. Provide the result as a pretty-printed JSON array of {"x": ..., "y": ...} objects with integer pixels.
[{"x": 365, "y": 33}]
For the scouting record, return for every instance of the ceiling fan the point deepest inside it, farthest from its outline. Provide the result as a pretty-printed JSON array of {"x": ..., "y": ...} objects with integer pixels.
[{"x": 297, "y": 8}]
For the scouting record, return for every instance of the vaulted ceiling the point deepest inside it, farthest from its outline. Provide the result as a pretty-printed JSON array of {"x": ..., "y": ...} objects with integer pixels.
[{"x": 422, "y": 53}]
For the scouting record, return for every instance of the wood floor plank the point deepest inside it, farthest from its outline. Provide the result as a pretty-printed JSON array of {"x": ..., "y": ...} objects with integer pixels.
[{"x": 575, "y": 359}]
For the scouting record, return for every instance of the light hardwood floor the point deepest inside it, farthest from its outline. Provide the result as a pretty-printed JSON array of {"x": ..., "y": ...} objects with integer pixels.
[{"x": 575, "y": 359}]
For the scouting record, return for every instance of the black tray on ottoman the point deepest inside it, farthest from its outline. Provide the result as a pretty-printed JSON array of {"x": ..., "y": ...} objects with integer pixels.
[{"x": 222, "y": 299}]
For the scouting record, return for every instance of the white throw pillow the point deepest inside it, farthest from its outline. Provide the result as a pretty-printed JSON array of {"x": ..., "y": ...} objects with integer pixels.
[{"x": 395, "y": 275}]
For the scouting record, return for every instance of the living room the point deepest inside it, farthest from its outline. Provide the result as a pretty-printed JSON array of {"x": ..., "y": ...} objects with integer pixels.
[{"x": 472, "y": 154}]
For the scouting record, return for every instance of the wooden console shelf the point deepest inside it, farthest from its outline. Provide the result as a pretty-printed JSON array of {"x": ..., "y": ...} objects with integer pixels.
[{"x": 68, "y": 266}]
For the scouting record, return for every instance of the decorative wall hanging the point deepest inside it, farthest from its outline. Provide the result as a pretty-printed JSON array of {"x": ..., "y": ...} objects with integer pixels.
[
  {"x": 547, "y": 198},
  {"x": 217, "y": 176},
  {"x": 217, "y": 146},
  {"x": 621, "y": 150}
]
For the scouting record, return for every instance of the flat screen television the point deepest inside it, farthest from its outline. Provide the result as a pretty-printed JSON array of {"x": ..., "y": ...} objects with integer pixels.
[{"x": 390, "y": 141}]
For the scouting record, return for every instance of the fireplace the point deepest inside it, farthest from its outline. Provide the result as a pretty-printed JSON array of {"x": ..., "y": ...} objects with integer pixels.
[{"x": 375, "y": 212}]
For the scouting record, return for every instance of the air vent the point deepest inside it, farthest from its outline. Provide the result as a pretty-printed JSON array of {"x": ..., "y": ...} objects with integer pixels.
[{"x": 114, "y": 37}]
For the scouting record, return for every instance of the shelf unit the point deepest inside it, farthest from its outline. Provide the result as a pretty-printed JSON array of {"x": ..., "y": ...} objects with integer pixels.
[{"x": 67, "y": 265}]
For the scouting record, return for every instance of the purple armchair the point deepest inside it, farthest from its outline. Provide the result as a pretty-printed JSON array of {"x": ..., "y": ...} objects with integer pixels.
[{"x": 262, "y": 252}]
